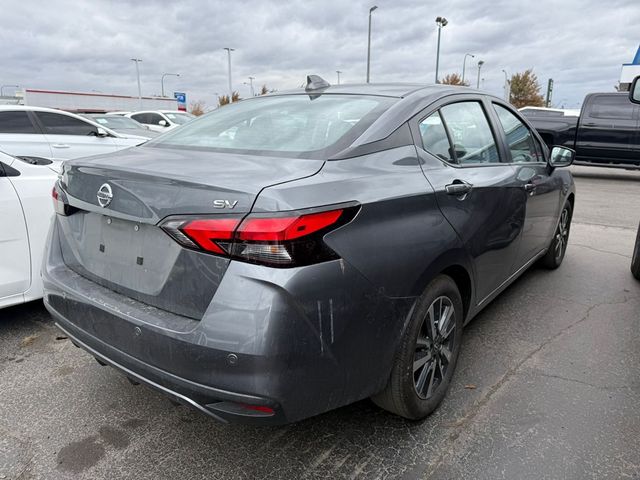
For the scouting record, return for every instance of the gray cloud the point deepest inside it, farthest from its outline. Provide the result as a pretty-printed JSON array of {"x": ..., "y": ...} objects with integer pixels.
[{"x": 72, "y": 45}]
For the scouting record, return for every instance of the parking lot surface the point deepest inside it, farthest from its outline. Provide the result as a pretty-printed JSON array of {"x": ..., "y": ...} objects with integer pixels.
[{"x": 547, "y": 386}]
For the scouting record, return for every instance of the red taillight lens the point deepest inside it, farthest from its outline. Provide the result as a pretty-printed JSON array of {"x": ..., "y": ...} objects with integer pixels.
[
  {"x": 60, "y": 202},
  {"x": 282, "y": 241},
  {"x": 286, "y": 228},
  {"x": 213, "y": 235}
]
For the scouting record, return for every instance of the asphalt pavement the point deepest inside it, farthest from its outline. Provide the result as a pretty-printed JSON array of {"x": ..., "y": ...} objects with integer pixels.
[{"x": 547, "y": 386}]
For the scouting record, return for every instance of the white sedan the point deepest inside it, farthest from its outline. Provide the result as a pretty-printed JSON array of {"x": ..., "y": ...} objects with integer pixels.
[{"x": 26, "y": 209}]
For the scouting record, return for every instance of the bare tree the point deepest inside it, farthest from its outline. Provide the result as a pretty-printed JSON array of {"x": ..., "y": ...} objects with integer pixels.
[
  {"x": 225, "y": 100},
  {"x": 197, "y": 108}
]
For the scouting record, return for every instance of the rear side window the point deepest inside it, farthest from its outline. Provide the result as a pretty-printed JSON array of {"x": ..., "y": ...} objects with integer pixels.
[
  {"x": 435, "y": 139},
  {"x": 611, "y": 106},
  {"x": 16, "y": 122},
  {"x": 294, "y": 125},
  {"x": 59, "y": 124},
  {"x": 520, "y": 140},
  {"x": 470, "y": 133},
  {"x": 141, "y": 117}
]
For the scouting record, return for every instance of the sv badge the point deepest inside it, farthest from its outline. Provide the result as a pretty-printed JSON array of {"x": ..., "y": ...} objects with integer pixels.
[{"x": 224, "y": 204}]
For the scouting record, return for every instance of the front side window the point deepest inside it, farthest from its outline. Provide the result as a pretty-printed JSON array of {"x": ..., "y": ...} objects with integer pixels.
[
  {"x": 470, "y": 133},
  {"x": 60, "y": 124},
  {"x": 296, "y": 125},
  {"x": 435, "y": 139},
  {"x": 16, "y": 122},
  {"x": 520, "y": 140},
  {"x": 179, "y": 118}
]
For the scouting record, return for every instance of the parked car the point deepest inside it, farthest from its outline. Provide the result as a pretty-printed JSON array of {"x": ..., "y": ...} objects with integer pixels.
[
  {"x": 121, "y": 124},
  {"x": 161, "y": 120},
  {"x": 58, "y": 135},
  {"x": 549, "y": 112},
  {"x": 25, "y": 215},
  {"x": 329, "y": 250},
  {"x": 634, "y": 96},
  {"x": 605, "y": 134}
]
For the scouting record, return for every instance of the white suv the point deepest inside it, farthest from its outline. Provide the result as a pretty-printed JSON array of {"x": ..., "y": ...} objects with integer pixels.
[
  {"x": 161, "y": 120},
  {"x": 58, "y": 135}
]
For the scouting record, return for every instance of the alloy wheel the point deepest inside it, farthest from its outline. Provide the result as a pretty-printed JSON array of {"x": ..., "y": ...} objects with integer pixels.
[
  {"x": 434, "y": 347},
  {"x": 562, "y": 234}
]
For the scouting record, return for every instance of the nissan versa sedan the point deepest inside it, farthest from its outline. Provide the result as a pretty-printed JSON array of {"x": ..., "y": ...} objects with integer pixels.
[{"x": 291, "y": 253}]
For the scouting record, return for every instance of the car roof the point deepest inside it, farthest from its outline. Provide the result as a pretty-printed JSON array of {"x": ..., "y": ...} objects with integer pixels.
[{"x": 397, "y": 90}]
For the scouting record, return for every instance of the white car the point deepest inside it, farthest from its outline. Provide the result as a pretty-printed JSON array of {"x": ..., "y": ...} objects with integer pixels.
[
  {"x": 25, "y": 214},
  {"x": 58, "y": 135},
  {"x": 161, "y": 120}
]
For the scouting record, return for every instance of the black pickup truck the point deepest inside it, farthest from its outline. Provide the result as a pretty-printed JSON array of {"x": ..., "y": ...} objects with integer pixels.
[{"x": 606, "y": 133}]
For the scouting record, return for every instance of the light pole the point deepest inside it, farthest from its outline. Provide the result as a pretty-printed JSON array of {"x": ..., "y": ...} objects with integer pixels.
[
  {"x": 441, "y": 22},
  {"x": 369, "y": 43},
  {"x": 251, "y": 79},
  {"x": 162, "y": 79},
  {"x": 480, "y": 63},
  {"x": 507, "y": 89},
  {"x": 464, "y": 63},
  {"x": 229, "y": 50},
  {"x": 338, "y": 72},
  {"x": 137, "y": 60},
  {"x": 14, "y": 86}
]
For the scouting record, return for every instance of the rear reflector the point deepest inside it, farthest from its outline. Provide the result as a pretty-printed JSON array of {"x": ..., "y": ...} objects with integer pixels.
[{"x": 284, "y": 241}]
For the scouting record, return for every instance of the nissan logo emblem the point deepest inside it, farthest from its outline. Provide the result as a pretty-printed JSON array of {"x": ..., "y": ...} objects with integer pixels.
[{"x": 105, "y": 195}]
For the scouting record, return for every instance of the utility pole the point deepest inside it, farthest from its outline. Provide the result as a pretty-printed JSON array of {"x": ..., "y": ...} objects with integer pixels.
[
  {"x": 369, "y": 43},
  {"x": 137, "y": 60},
  {"x": 441, "y": 22},
  {"x": 229, "y": 50},
  {"x": 547, "y": 103},
  {"x": 338, "y": 72},
  {"x": 480, "y": 64},
  {"x": 464, "y": 63}
]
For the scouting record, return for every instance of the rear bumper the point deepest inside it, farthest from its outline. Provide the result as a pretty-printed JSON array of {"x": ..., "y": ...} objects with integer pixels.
[{"x": 298, "y": 341}]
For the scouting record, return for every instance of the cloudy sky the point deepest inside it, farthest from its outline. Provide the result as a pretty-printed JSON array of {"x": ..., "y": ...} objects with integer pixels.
[{"x": 87, "y": 46}]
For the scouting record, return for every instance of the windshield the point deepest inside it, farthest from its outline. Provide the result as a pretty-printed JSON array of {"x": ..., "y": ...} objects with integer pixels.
[
  {"x": 179, "y": 118},
  {"x": 297, "y": 125},
  {"x": 115, "y": 122}
]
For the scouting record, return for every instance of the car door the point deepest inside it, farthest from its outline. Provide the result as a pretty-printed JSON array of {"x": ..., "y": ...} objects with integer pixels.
[
  {"x": 608, "y": 128},
  {"x": 20, "y": 136},
  {"x": 15, "y": 260},
  {"x": 541, "y": 190},
  {"x": 71, "y": 137},
  {"x": 475, "y": 190}
]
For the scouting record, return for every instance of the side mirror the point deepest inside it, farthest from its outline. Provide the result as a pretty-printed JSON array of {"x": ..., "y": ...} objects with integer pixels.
[
  {"x": 634, "y": 91},
  {"x": 163, "y": 123},
  {"x": 101, "y": 132},
  {"x": 561, "y": 156}
]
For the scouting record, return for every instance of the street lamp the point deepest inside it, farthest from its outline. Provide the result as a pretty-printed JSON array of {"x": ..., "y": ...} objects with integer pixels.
[
  {"x": 229, "y": 50},
  {"x": 507, "y": 89},
  {"x": 441, "y": 22},
  {"x": 14, "y": 86},
  {"x": 369, "y": 43},
  {"x": 137, "y": 60},
  {"x": 464, "y": 63},
  {"x": 338, "y": 72},
  {"x": 162, "y": 79},
  {"x": 251, "y": 79},
  {"x": 480, "y": 64}
]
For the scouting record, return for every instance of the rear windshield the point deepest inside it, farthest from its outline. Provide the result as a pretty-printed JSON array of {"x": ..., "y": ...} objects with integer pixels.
[{"x": 288, "y": 125}]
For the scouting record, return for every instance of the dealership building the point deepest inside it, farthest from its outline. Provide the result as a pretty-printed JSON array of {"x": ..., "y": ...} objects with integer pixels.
[{"x": 629, "y": 72}]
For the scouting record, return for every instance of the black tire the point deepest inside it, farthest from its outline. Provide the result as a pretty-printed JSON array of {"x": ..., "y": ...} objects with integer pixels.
[
  {"x": 412, "y": 393},
  {"x": 554, "y": 256},
  {"x": 635, "y": 259}
]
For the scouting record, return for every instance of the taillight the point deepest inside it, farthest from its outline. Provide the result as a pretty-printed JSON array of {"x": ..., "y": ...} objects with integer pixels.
[
  {"x": 287, "y": 240},
  {"x": 60, "y": 202}
]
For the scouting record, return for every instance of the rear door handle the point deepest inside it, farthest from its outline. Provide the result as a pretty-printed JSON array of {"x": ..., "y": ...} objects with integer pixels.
[
  {"x": 60, "y": 145},
  {"x": 458, "y": 188}
]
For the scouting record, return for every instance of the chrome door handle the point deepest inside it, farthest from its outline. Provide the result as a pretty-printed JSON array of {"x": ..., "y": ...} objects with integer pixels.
[
  {"x": 60, "y": 145},
  {"x": 458, "y": 188},
  {"x": 530, "y": 187}
]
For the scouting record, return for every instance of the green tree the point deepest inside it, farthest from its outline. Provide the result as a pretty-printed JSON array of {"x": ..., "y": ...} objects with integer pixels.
[{"x": 525, "y": 90}]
